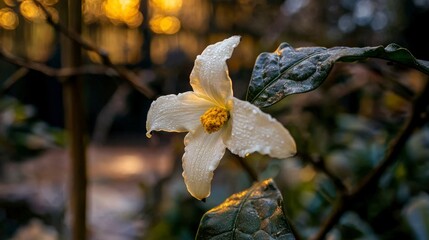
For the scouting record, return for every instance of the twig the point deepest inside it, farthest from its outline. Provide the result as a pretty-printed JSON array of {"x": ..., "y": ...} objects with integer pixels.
[
  {"x": 346, "y": 200},
  {"x": 132, "y": 78},
  {"x": 339, "y": 208},
  {"x": 105, "y": 118},
  {"x": 27, "y": 64},
  {"x": 416, "y": 120},
  {"x": 250, "y": 171},
  {"x": 55, "y": 72},
  {"x": 19, "y": 74}
]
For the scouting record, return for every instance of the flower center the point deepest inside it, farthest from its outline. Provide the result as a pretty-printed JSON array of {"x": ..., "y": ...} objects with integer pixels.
[{"x": 214, "y": 118}]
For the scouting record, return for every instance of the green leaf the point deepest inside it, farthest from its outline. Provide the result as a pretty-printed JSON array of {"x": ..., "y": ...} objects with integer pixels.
[
  {"x": 417, "y": 215},
  {"x": 287, "y": 70},
  {"x": 256, "y": 213}
]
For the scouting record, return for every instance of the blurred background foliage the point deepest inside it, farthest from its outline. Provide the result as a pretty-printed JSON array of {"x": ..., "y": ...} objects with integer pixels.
[{"x": 136, "y": 188}]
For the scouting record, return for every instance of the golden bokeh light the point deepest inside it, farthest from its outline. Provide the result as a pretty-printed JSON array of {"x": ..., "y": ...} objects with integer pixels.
[
  {"x": 307, "y": 174},
  {"x": 167, "y": 6},
  {"x": 123, "y": 11},
  {"x": 135, "y": 20},
  {"x": 92, "y": 10},
  {"x": 8, "y": 19},
  {"x": 170, "y": 25},
  {"x": 30, "y": 10},
  {"x": 168, "y": 17},
  {"x": 122, "y": 44},
  {"x": 49, "y": 2},
  {"x": 165, "y": 24},
  {"x": 39, "y": 42}
]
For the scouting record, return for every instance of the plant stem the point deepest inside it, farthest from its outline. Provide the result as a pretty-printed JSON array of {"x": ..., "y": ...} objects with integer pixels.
[
  {"x": 74, "y": 116},
  {"x": 250, "y": 171}
]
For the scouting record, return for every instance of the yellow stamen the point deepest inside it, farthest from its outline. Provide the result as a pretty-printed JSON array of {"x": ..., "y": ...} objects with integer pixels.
[{"x": 214, "y": 118}]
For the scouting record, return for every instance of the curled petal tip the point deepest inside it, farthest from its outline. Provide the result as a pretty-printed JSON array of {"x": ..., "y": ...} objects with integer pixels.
[{"x": 148, "y": 135}]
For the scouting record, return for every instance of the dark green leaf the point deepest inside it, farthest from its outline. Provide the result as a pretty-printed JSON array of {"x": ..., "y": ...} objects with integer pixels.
[
  {"x": 256, "y": 213},
  {"x": 287, "y": 70}
]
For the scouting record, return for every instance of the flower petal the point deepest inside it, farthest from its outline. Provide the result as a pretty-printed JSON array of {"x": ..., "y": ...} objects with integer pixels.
[
  {"x": 210, "y": 77},
  {"x": 176, "y": 113},
  {"x": 255, "y": 131},
  {"x": 203, "y": 153}
]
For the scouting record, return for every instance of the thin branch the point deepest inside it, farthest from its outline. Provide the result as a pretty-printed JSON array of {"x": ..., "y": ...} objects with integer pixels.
[
  {"x": 248, "y": 169},
  {"x": 55, "y": 72},
  {"x": 339, "y": 208},
  {"x": 40, "y": 67},
  {"x": 369, "y": 183},
  {"x": 131, "y": 77},
  {"x": 115, "y": 106},
  {"x": 416, "y": 120},
  {"x": 15, "y": 77}
]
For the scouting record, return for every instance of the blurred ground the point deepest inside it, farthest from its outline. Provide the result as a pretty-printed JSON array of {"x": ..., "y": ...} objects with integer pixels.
[{"x": 115, "y": 200}]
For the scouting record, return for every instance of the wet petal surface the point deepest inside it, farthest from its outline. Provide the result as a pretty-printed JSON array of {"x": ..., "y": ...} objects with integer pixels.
[
  {"x": 255, "y": 131},
  {"x": 210, "y": 77},
  {"x": 203, "y": 153},
  {"x": 176, "y": 113}
]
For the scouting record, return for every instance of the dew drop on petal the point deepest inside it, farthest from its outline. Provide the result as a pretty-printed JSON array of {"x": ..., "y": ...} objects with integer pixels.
[{"x": 266, "y": 149}]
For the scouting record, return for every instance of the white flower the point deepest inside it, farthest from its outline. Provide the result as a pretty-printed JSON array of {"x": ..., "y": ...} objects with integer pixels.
[{"x": 216, "y": 120}]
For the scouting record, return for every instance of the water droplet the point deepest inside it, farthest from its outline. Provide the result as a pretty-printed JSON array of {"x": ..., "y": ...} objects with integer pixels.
[{"x": 264, "y": 96}]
